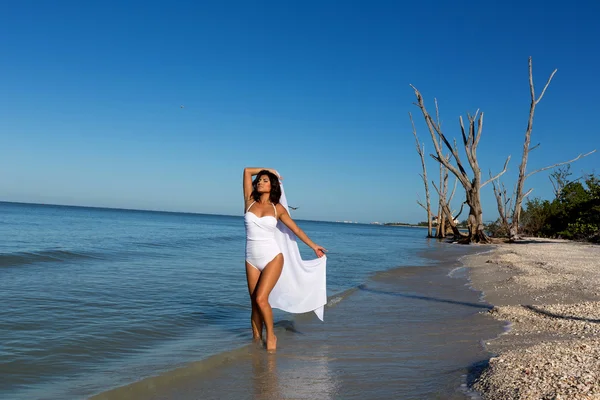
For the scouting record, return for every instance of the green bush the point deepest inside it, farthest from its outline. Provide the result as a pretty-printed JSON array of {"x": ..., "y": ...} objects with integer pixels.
[
  {"x": 496, "y": 229},
  {"x": 574, "y": 214},
  {"x": 535, "y": 217}
]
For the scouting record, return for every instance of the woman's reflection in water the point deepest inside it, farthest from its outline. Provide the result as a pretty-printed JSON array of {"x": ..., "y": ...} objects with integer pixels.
[
  {"x": 266, "y": 379},
  {"x": 302, "y": 374}
]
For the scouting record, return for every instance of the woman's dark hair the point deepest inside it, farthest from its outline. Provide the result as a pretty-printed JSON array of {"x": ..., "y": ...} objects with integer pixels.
[{"x": 275, "y": 188}]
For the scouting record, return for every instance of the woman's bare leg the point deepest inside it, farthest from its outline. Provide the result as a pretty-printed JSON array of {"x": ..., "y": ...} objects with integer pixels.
[
  {"x": 253, "y": 275},
  {"x": 266, "y": 283}
]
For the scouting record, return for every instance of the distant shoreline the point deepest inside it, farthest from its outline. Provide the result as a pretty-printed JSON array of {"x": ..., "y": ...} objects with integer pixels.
[
  {"x": 406, "y": 225},
  {"x": 382, "y": 224}
]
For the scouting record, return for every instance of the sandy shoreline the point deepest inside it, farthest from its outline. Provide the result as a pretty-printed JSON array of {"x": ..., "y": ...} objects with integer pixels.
[{"x": 549, "y": 292}]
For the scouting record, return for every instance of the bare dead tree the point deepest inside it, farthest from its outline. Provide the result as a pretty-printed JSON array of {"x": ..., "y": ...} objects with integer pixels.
[
  {"x": 441, "y": 221},
  {"x": 441, "y": 214},
  {"x": 452, "y": 218},
  {"x": 520, "y": 195},
  {"x": 441, "y": 228},
  {"x": 472, "y": 185},
  {"x": 560, "y": 179},
  {"x": 448, "y": 218},
  {"x": 503, "y": 202},
  {"x": 427, "y": 205}
]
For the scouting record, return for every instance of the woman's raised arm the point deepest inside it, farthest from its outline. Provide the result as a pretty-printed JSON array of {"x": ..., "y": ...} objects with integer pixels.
[{"x": 247, "y": 180}]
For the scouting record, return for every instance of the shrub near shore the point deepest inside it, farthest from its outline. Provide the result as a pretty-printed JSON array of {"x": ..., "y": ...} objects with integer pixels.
[{"x": 573, "y": 214}]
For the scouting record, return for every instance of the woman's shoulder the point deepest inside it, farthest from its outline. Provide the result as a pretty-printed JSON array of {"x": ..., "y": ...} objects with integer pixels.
[{"x": 248, "y": 201}]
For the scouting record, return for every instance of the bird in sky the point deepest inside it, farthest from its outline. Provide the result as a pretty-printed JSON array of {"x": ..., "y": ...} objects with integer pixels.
[
  {"x": 293, "y": 208},
  {"x": 182, "y": 106}
]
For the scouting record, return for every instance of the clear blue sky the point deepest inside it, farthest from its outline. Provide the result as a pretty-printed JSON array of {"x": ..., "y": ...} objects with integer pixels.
[{"x": 91, "y": 93}]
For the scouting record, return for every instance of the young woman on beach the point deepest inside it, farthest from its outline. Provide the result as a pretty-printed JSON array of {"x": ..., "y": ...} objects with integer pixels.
[{"x": 270, "y": 248}]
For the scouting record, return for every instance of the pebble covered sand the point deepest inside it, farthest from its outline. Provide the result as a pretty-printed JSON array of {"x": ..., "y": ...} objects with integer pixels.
[{"x": 548, "y": 291}]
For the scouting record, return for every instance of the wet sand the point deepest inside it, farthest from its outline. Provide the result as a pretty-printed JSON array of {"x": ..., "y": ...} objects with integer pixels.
[
  {"x": 548, "y": 292},
  {"x": 407, "y": 333}
]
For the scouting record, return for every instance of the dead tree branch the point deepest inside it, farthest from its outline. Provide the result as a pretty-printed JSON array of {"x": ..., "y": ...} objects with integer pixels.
[
  {"x": 561, "y": 163},
  {"x": 497, "y": 176},
  {"x": 421, "y": 152},
  {"x": 453, "y": 191}
]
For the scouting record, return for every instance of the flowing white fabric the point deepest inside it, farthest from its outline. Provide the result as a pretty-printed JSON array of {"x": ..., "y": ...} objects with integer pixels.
[{"x": 301, "y": 287}]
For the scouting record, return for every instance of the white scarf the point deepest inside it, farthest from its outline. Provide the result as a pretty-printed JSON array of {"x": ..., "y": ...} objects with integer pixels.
[{"x": 301, "y": 287}]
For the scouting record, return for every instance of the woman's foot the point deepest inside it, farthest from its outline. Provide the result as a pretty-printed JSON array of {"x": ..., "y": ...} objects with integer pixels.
[
  {"x": 271, "y": 343},
  {"x": 257, "y": 339}
]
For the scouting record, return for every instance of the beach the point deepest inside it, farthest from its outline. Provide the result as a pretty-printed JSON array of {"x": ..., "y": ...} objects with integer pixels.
[
  {"x": 124, "y": 304},
  {"x": 120, "y": 304},
  {"x": 548, "y": 292}
]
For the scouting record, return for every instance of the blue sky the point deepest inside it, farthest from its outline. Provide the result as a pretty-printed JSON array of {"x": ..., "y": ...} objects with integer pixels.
[{"x": 90, "y": 110}]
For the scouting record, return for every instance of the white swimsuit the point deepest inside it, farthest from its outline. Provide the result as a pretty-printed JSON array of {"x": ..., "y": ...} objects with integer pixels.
[
  {"x": 261, "y": 247},
  {"x": 301, "y": 287}
]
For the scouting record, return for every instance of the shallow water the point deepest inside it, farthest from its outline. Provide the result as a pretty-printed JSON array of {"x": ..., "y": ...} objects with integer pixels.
[
  {"x": 96, "y": 299},
  {"x": 409, "y": 333}
]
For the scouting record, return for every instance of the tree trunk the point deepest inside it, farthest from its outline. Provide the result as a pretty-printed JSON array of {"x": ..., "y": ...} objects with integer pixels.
[
  {"x": 475, "y": 220},
  {"x": 442, "y": 225},
  {"x": 429, "y": 224},
  {"x": 440, "y": 214},
  {"x": 421, "y": 152},
  {"x": 502, "y": 202},
  {"x": 440, "y": 232},
  {"x": 457, "y": 234},
  {"x": 519, "y": 195},
  {"x": 447, "y": 215}
]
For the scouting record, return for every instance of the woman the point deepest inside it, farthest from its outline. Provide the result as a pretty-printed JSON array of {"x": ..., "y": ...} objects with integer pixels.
[{"x": 265, "y": 250}]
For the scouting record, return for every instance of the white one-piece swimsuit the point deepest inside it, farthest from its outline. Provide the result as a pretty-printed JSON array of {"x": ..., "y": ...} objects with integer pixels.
[{"x": 261, "y": 247}]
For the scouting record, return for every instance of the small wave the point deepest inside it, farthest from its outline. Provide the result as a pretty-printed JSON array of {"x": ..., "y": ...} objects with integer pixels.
[
  {"x": 336, "y": 298},
  {"x": 457, "y": 272},
  {"x": 188, "y": 242},
  {"x": 152, "y": 244},
  {"x": 228, "y": 238},
  {"x": 26, "y": 258}
]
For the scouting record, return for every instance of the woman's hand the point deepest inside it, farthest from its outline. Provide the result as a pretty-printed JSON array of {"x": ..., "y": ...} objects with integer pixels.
[
  {"x": 319, "y": 251},
  {"x": 274, "y": 172}
]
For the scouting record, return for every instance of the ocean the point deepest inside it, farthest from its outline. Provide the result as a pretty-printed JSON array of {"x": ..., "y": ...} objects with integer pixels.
[{"x": 125, "y": 304}]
